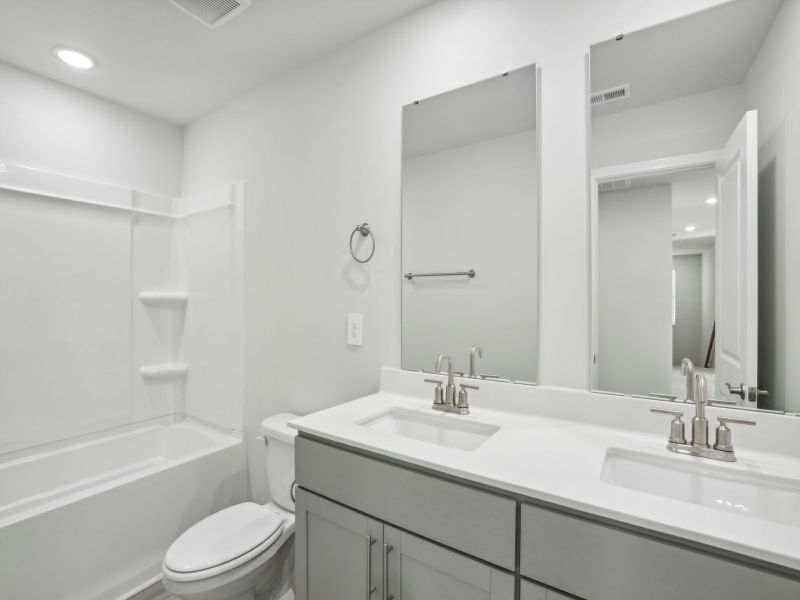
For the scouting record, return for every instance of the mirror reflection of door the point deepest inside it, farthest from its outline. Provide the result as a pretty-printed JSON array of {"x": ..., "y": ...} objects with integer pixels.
[{"x": 675, "y": 275}]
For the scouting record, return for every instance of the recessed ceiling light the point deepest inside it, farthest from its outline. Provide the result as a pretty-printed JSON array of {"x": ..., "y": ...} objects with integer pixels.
[
  {"x": 73, "y": 58},
  {"x": 711, "y": 201},
  {"x": 690, "y": 228}
]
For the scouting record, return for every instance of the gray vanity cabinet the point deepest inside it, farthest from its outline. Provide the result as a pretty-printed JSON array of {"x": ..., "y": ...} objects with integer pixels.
[
  {"x": 432, "y": 537},
  {"x": 349, "y": 556},
  {"x": 597, "y": 561},
  {"x": 342, "y": 550},
  {"x": 419, "y": 570}
]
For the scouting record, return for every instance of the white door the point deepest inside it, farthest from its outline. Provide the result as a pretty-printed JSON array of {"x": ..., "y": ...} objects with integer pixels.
[{"x": 736, "y": 345}]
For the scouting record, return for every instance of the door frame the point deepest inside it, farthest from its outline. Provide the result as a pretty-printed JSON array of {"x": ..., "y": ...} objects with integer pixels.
[{"x": 631, "y": 170}]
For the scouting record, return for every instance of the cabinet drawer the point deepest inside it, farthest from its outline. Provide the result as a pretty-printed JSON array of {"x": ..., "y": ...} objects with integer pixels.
[
  {"x": 473, "y": 521},
  {"x": 600, "y": 562}
]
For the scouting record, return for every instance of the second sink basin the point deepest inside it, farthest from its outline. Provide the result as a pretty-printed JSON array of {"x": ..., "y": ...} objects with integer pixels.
[
  {"x": 752, "y": 494},
  {"x": 452, "y": 431}
]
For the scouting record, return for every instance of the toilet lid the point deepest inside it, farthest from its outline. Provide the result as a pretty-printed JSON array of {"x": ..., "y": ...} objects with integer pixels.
[{"x": 224, "y": 537}]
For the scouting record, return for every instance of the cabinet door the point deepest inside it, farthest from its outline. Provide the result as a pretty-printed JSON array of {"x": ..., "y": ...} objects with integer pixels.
[
  {"x": 531, "y": 591},
  {"x": 337, "y": 551},
  {"x": 419, "y": 570}
]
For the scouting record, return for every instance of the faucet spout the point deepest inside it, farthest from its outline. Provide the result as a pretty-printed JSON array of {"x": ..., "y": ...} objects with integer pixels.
[
  {"x": 699, "y": 422},
  {"x": 475, "y": 350},
  {"x": 687, "y": 369},
  {"x": 450, "y": 390}
]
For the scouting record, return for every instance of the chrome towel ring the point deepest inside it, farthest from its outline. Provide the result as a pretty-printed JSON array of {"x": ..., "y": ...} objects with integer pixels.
[{"x": 365, "y": 231}]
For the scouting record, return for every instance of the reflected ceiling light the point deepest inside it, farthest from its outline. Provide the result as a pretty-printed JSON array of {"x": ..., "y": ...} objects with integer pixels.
[
  {"x": 711, "y": 201},
  {"x": 73, "y": 58},
  {"x": 690, "y": 228}
]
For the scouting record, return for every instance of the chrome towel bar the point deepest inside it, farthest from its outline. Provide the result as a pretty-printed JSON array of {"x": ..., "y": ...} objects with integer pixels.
[{"x": 470, "y": 274}]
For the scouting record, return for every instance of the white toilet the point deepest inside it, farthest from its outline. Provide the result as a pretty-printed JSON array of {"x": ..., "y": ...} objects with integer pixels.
[{"x": 245, "y": 551}]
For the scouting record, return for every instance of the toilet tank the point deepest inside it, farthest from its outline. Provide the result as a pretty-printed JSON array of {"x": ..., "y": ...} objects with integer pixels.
[{"x": 280, "y": 458}]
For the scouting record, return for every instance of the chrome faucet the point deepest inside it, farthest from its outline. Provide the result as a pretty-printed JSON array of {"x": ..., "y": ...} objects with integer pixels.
[
  {"x": 475, "y": 350},
  {"x": 687, "y": 369},
  {"x": 723, "y": 447},
  {"x": 446, "y": 401}
]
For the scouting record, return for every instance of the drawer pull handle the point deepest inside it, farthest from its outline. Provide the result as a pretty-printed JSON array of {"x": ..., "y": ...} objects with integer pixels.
[
  {"x": 386, "y": 549},
  {"x": 370, "y": 588}
]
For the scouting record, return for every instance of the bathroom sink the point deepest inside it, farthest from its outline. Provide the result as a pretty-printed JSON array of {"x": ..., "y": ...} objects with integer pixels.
[
  {"x": 453, "y": 431},
  {"x": 751, "y": 494}
]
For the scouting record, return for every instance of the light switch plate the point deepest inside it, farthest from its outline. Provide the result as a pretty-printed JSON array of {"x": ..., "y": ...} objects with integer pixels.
[{"x": 355, "y": 329}]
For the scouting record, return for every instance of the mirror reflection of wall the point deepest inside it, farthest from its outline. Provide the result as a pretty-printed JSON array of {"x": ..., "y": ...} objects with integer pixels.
[
  {"x": 657, "y": 270},
  {"x": 711, "y": 102},
  {"x": 470, "y": 202}
]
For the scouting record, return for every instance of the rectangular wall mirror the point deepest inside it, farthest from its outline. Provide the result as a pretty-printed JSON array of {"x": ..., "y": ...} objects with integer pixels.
[
  {"x": 689, "y": 249},
  {"x": 470, "y": 228}
]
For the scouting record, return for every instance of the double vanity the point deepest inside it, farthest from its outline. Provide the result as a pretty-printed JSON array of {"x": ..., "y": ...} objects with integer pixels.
[{"x": 539, "y": 493}]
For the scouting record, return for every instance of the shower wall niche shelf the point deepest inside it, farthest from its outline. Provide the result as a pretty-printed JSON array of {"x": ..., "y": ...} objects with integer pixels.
[
  {"x": 165, "y": 299},
  {"x": 164, "y": 371}
]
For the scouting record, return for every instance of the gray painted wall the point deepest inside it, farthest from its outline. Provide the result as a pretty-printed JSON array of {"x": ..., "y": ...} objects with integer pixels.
[
  {"x": 635, "y": 283},
  {"x": 687, "y": 340}
]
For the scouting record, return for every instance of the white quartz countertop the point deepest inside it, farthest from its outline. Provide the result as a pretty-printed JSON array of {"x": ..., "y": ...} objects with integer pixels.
[{"x": 559, "y": 461}]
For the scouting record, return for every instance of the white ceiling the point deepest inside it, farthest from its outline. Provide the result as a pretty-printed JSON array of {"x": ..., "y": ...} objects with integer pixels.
[
  {"x": 489, "y": 109},
  {"x": 706, "y": 51},
  {"x": 154, "y": 57}
]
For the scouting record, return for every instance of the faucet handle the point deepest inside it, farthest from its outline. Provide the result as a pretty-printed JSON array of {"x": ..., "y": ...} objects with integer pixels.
[
  {"x": 677, "y": 429},
  {"x": 463, "y": 399},
  {"x": 724, "y": 433},
  {"x": 438, "y": 394}
]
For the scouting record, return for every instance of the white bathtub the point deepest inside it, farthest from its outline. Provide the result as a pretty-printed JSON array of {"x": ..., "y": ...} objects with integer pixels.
[{"x": 91, "y": 519}]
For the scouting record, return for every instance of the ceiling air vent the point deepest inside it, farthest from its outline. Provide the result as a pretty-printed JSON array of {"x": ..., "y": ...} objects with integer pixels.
[
  {"x": 611, "y": 94},
  {"x": 213, "y": 12},
  {"x": 612, "y": 186}
]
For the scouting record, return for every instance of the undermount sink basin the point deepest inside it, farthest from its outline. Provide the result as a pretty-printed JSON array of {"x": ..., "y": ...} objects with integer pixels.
[
  {"x": 751, "y": 494},
  {"x": 452, "y": 431}
]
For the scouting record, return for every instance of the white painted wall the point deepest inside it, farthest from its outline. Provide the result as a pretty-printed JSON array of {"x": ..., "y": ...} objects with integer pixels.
[
  {"x": 635, "y": 282},
  {"x": 472, "y": 207},
  {"x": 772, "y": 87},
  {"x": 320, "y": 149},
  {"x": 50, "y": 126},
  {"x": 682, "y": 126}
]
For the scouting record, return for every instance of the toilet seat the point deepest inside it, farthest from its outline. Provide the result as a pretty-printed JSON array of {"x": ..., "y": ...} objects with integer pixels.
[{"x": 223, "y": 541}]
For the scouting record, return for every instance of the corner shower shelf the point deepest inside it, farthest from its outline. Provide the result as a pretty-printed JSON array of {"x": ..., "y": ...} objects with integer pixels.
[
  {"x": 166, "y": 299},
  {"x": 164, "y": 371}
]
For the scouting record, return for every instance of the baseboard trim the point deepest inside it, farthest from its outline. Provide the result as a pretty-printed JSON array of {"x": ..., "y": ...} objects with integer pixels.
[{"x": 153, "y": 589}]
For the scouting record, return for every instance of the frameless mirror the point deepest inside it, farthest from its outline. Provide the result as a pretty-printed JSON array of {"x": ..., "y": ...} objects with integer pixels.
[
  {"x": 470, "y": 228},
  {"x": 690, "y": 217}
]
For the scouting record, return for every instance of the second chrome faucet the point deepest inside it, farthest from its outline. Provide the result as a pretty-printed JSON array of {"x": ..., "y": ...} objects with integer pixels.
[{"x": 699, "y": 446}]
